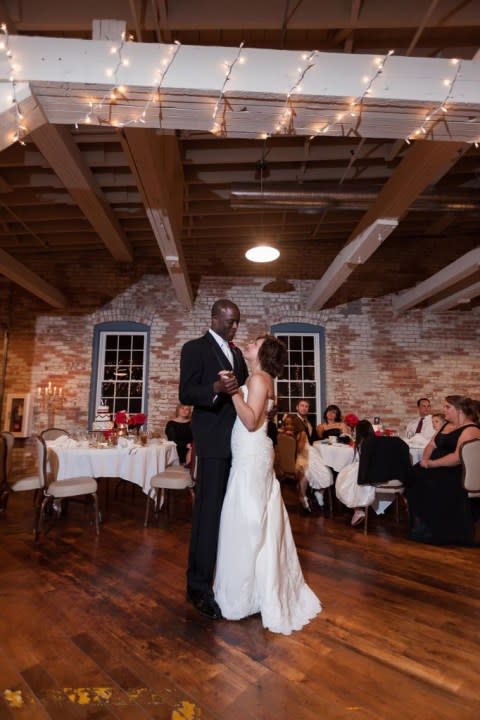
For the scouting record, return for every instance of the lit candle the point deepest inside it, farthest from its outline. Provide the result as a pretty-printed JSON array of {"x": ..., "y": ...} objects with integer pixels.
[
  {"x": 50, "y": 387},
  {"x": 60, "y": 391},
  {"x": 39, "y": 392}
]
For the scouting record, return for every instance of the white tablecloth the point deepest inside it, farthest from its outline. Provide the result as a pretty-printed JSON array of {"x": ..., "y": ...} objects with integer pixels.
[
  {"x": 336, "y": 456},
  {"x": 137, "y": 464},
  {"x": 415, "y": 453}
]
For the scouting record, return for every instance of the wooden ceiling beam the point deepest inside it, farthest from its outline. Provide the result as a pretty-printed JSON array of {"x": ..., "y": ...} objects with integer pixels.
[
  {"x": 422, "y": 165},
  {"x": 65, "y": 159},
  {"x": 21, "y": 275},
  {"x": 156, "y": 164}
]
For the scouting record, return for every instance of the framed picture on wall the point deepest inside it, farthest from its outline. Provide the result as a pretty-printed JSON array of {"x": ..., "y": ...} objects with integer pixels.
[{"x": 18, "y": 414}]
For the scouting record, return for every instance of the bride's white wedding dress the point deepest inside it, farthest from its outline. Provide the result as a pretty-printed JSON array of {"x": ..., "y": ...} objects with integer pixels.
[{"x": 257, "y": 563}]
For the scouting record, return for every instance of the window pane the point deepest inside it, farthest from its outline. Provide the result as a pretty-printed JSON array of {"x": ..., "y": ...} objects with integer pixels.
[
  {"x": 111, "y": 342},
  {"x": 124, "y": 342},
  {"x": 138, "y": 342}
]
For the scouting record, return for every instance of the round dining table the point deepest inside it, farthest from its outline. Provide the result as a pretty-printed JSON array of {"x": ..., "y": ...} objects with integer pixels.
[
  {"x": 136, "y": 464},
  {"x": 334, "y": 455}
]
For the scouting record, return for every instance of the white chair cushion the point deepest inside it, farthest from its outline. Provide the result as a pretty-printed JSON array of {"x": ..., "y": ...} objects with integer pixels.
[
  {"x": 172, "y": 479},
  {"x": 27, "y": 483},
  {"x": 72, "y": 486}
]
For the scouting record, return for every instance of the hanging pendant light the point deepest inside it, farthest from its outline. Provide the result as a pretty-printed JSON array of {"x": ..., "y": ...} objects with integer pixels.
[{"x": 262, "y": 254}]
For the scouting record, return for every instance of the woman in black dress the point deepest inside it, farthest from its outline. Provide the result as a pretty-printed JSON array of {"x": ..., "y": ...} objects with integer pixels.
[
  {"x": 333, "y": 424},
  {"x": 439, "y": 508},
  {"x": 179, "y": 429}
]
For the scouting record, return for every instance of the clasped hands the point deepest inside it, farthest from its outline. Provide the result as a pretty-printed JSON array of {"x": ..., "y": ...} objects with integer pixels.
[{"x": 227, "y": 383}]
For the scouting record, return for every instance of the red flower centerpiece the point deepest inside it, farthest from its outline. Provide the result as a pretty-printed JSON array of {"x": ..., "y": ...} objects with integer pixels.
[
  {"x": 136, "y": 421},
  {"x": 351, "y": 420}
]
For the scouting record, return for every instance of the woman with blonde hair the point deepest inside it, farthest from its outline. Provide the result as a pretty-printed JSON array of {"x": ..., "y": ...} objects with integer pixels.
[{"x": 179, "y": 430}]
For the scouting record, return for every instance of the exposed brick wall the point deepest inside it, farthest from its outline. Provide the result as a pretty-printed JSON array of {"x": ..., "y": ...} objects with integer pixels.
[{"x": 376, "y": 363}]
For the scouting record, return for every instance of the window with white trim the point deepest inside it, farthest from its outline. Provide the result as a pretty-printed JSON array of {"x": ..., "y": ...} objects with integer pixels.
[
  {"x": 303, "y": 374},
  {"x": 121, "y": 367}
]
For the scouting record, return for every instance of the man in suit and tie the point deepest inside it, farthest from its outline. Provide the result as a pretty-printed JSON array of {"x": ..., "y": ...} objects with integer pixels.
[
  {"x": 422, "y": 425},
  {"x": 211, "y": 370},
  {"x": 302, "y": 409}
]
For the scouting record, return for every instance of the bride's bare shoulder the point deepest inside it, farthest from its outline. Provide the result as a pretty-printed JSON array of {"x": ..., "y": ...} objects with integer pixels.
[{"x": 259, "y": 379}]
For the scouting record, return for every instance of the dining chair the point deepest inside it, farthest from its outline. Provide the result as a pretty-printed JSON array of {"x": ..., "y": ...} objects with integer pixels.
[
  {"x": 174, "y": 477},
  {"x": 470, "y": 458},
  {"x": 8, "y": 485},
  {"x": 4, "y": 488},
  {"x": 384, "y": 463},
  {"x": 52, "y": 433},
  {"x": 54, "y": 489},
  {"x": 284, "y": 457},
  {"x": 6, "y": 456}
]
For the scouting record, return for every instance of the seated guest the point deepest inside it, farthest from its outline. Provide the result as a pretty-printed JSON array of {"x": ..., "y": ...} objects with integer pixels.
[
  {"x": 179, "y": 429},
  {"x": 302, "y": 409},
  {"x": 421, "y": 425},
  {"x": 332, "y": 423},
  {"x": 347, "y": 489},
  {"x": 438, "y": 421},
  {"x": 308, "y": 469},
  {"x": 439, "y": 507}
]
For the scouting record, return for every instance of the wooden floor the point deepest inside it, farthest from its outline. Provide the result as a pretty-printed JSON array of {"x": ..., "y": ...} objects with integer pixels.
[{"x": 99, "y": 627}]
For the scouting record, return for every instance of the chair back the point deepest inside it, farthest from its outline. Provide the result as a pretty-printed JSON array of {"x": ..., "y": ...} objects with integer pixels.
[
  {"x": 52, "y": 433},
  {"x": 470, "y": 457},
  {"x": 41, "y": 459},
  {"x": 285, "y": 453},
  {"x": 3, "y": 461},
  {"x": 9, "y": 441},
  {"x": 383, "y": 458}
]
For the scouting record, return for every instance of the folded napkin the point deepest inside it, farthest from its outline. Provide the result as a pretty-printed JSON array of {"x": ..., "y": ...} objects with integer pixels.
[{"x": 62, "y": 442}]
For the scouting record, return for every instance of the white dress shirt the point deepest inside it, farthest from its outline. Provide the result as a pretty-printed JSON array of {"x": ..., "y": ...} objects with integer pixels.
[
  {"x": 427, "y": 431},
  {"x": 224, "y": 346}
]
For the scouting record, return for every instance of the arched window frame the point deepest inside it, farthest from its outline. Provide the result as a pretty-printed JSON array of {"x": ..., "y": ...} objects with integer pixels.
[
  {"x": 318, "y": 332},
  {"x": 124, "y": 327}
]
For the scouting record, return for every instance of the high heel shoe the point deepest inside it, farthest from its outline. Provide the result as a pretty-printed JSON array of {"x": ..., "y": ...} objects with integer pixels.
[{"x": 357, "y": 518}]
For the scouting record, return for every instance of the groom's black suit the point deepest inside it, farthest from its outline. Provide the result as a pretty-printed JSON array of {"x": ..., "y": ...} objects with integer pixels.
[{"x": 212, "y": 421}]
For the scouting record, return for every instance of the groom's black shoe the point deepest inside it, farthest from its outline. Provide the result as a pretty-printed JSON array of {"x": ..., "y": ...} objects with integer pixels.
[{"x": 204, "y": 603}]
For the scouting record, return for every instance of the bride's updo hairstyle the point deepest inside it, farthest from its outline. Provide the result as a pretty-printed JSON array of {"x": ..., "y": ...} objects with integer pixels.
[{"x": 272, "y": 355}]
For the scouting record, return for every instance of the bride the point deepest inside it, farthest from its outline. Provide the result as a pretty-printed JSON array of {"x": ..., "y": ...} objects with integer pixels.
[{"x": 257, "y": 564}]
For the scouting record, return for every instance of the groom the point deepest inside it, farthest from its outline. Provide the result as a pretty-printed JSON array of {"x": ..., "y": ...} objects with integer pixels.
[{"x": 209, "y": 390}]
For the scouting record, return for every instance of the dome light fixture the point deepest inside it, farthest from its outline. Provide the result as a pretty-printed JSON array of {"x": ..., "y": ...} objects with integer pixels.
[{"x": 262, "y": 254}]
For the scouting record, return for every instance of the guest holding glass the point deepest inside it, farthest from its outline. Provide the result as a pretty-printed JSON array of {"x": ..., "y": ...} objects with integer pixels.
[
  {"x": 179, "y": 430},
  {"x": 333, "y": 425},
  {"x": 439, "y": 507}
]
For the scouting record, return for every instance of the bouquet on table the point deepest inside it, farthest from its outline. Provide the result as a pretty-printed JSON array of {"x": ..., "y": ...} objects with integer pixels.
[
  {"x": 129, "y": 422},
  {"x": 352, "y": 421}
]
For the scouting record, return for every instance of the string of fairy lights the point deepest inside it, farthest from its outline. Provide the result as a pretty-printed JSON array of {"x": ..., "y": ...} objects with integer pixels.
[
  {"x": 285, "y": 124},
  {"x": 353, "y": 112},
  {"x": 431, "y": 118},
  {"x": 101, "y": 111},
  {"x": 118, "y": 92},
  {"x": 21, "y": 129},
  {"x": 219, "y": 128}
]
